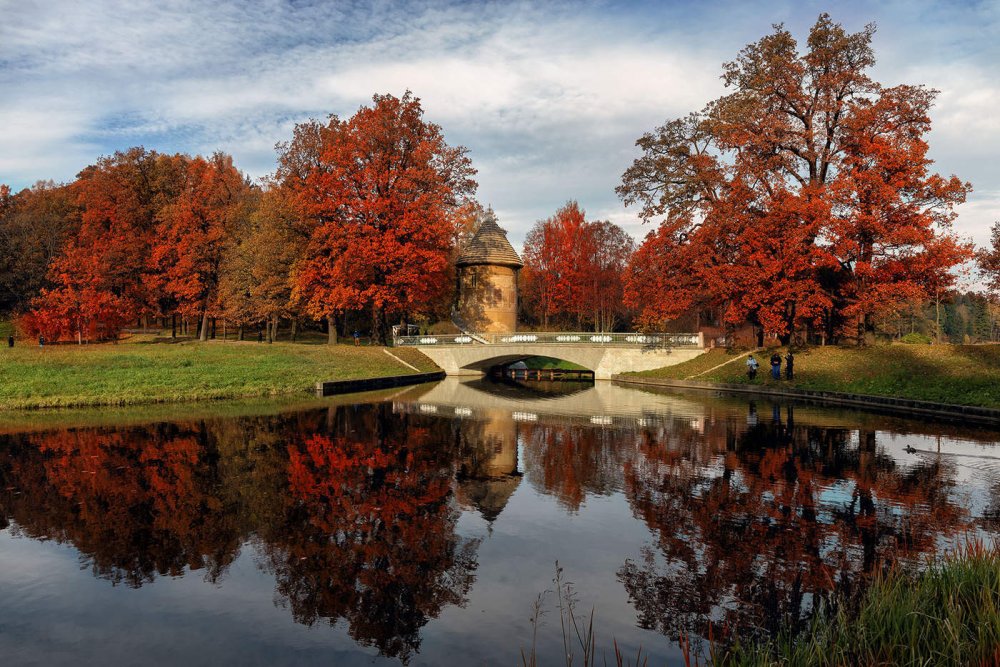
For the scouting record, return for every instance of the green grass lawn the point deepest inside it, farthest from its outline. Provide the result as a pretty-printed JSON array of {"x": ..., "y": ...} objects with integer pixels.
[
  {"x": 546, "y": 363},
  {"x": 144, "y": 371},
  {"x": 960, "y": 374}
]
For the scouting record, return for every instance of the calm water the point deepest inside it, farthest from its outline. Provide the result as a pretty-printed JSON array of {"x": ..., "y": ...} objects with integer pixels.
[{"x": 419, "y": 527}]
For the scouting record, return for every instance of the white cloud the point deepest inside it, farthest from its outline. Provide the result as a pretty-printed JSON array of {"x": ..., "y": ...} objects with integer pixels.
[{"x": 548, "y": 100}]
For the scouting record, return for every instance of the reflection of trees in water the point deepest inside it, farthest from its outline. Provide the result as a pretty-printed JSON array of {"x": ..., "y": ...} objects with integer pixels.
[
  {"x": 133, "y": 511},
  {"x": 369, "y": 532},
  {"x": 571, "y": 461},
  {"x": 354, "y": 509},
  {"x": 749, "y": 539},
  {"x": 356, "y": 521}
]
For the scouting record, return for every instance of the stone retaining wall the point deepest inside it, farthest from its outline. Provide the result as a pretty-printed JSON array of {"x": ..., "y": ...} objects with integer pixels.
[
  {"x": 969, "y": 413},
  {"x": 366, "y": 384}
]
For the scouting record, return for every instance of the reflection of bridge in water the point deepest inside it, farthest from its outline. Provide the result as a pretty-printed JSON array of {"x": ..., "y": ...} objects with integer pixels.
[
  {"x": 607, "y": 354},
  {"x": 603, "y": 403},
  {"x": 494, "y": 422}
]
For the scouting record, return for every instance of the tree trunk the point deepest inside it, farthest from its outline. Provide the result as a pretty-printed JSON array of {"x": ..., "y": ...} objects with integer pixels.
[
  {"x": 173, "y": 325},
  {"x": 378, "y": 324},
  {"x": 239, "y": 333},
  {"x": 295, "y": 328},
  {"x": 937, "y": 316},
  {"x": 331, "y": 334},
  {"x": 203, "y": 334},
  {"x": 213, "y": 328}
]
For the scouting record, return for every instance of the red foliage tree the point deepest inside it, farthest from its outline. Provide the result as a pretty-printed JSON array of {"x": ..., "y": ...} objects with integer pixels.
[
  {"x": 193, "y": 234},
  {"x": 34, "y": 226},
  {"x": 103, "y": 278},
  {"x": 988, "y": 259},
  {"x": 573, "y": 268},
  {"x": 383, "y": 192},
  {"x": 802, "y": 198}
]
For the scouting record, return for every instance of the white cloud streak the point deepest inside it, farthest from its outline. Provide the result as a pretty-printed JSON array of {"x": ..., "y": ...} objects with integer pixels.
[{"x": 549, "y": 100}]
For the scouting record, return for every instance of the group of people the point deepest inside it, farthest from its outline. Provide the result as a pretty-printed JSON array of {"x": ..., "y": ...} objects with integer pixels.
[{"x": 753, "y": 365}]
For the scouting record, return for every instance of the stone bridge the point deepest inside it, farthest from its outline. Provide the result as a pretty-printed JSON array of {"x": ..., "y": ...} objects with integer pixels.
[{"x": 604, "y": 354}]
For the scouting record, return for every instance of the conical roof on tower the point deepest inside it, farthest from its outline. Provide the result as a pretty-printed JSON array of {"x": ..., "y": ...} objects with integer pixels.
[{"x": 489, "y": 245}]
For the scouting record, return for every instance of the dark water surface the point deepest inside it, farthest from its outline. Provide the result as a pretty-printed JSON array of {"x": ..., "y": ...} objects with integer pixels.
[{"x": 420, "y": 526}]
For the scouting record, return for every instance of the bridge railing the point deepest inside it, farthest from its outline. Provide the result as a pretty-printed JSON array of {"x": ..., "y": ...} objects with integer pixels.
[{"x": 589, "y": 338}]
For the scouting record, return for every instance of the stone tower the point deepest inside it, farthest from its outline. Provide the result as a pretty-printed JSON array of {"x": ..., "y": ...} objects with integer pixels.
[{"x": 487, "y": 280}]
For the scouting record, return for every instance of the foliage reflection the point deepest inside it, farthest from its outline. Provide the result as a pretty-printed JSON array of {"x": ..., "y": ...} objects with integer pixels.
[{"x": 752, "y": 517}]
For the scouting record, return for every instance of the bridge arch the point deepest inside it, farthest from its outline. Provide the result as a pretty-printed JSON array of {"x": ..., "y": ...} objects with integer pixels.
[
  {"x": 604, "y": 360},
  {"x": 484, "y": 365}
]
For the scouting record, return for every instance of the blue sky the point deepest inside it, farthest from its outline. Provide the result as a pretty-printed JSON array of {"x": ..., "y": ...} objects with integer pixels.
[{"x": 548, "y": 97}]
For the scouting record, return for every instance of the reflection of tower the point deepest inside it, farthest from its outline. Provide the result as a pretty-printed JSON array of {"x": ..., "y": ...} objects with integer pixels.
[
  {"x": 488, "y": 475},
  {"x": 487, "y": 272}
]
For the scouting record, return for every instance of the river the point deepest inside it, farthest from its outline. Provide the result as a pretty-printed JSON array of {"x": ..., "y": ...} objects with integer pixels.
[{"x": 421, "y": 525}]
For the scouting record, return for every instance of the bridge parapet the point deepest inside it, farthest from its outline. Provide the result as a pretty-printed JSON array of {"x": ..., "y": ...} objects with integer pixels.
[{"x": 568, "y": 338}]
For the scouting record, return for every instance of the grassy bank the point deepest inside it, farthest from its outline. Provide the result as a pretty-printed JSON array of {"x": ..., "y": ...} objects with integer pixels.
[
  {"x": 143, "y": 371},
  {"x": 948, "y": 615},
  {"x": 959, "y": 374}
]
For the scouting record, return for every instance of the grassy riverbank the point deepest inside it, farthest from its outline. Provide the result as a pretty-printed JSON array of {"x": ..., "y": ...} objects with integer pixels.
[
  {"x": 959, "y": 374},
  {"x": 947, "y": 615},
  {"x": 144, "y": 370}
]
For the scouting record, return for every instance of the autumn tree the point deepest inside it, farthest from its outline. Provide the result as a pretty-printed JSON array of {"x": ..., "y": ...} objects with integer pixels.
[
  {"x": 193, "y": 232},
  {"x": 34, "y": 226},
  {"x": 257, "y": 272},
  {"x": 540, "y": 272},
  {"x": 613, "y": 249},
  {"x": 988, "y": 260},
  {"x": 573, "y": 267},
  {"x": 804, "y": 197},
  {"x": 382, "y": 191},
  {"x": 103, "y": 279}
]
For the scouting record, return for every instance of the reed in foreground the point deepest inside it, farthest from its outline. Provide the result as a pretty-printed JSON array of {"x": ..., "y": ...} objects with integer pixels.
[{"x": 947, "y": 615}]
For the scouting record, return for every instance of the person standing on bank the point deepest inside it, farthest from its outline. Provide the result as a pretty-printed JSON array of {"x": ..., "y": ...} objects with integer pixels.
[
  {"x": 776, "y": 366},
  {"x": 357, "y": 338},
  {"x": 789, "y": 361},
  {"x": 751, "y": 368}
]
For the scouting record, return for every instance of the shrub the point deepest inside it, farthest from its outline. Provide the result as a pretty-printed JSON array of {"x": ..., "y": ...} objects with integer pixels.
[{"x": 915, "y": 338}]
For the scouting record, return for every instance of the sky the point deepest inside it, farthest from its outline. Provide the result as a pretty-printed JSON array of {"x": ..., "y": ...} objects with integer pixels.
[{"x": 548, "y": 97}]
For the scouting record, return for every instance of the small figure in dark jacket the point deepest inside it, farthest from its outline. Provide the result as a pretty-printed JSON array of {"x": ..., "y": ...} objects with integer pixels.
[
  {"x": 789, "y": 365},
  {"x": 776, "y": 366}
]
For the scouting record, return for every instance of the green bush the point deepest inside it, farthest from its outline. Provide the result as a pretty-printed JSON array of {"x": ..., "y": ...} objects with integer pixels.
[{"x": 916, "y": 339}]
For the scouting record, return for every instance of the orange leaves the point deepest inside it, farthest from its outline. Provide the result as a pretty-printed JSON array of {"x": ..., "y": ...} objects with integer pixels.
[
  {"x": 194, "y": 231},
  {"x": 989, "y": 259},
  {"x": 382, "y": 192},
  {"x": 151, "y": 234},
  {"x": 573, "y": 268},
  {"x": 796, "y": 199}
]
